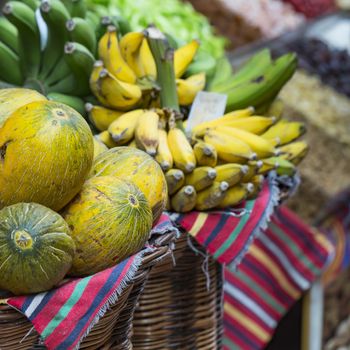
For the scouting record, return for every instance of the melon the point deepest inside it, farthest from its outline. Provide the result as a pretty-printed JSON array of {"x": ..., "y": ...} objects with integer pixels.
[
  {"x": 36, "y": 249},
  {"x": 14, "y": 98},
  {"x": 110, "y": 219},
  {"x": 46, "y": 153},
  {"x": 138, "y": 167}
]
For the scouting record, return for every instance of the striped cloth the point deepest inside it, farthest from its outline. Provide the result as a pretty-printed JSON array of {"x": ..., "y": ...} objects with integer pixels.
[{"x": 65, "y": 315}]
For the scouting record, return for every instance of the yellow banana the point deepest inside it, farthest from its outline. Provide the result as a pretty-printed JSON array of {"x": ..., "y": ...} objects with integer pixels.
[
  {"x": 175, "y": 179},
  {"x": 183, "y": 56},
  {"x": 205, "y": 154},
  {"x": 229, "y": 149},
  {"x": 255, "y": 124},
  {"x": 132, "y": 144},
  {"x": 109, "y": 52},
  {"x": 235, "y": 195},
  {"x": 266, "y": 167},
  {"x": 147, "y": 133},
  {"x": 164, "y": 156},
  {"x": 231, "y": 173},
  {"x": 95, "y": 79},
  {"x": 262, "y": 147},
  {"x": 285, "y": 131},
  {"x": 181, "y": 150},
  {"x": 122, "y": 130},
  {"x": 184, "y": 200},
  {"x": 101, "y": 117},
  {"x": 294, "y": 152},
  {"x": 257, "y": 181},
  {"x": 130, "y": 45},
  {"x": 211, "y": 196},
  {"x": 201, "y": 178},
  {"x": 252, "y": 169},
  {"x": 106, "y": 139},
  {"x": 276, "y": 109},
  {"x": 147, "y": 61},
  {"x": 99, "y": 147},
  {"x": 187, "y": 89},
  {"x": 116, "y": 93}
]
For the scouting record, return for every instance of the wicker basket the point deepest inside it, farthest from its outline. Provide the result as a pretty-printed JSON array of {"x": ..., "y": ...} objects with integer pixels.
[
  {"x": 176, "y": 309},
  {"x": 113, "y": 331}
]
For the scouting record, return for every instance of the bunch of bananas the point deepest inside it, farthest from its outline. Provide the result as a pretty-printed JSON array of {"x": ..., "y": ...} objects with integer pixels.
[
  {"x": 256, "y": 83},
  {"x": 222, "y": 163},
  {"x": 50, "y": 46}
]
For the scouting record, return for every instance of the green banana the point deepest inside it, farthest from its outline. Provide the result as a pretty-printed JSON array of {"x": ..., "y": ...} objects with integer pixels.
[
  {"x": 23, "y": 18},
  {"x": 71, "y": 101},
  {"x": 76, "y": 8},
  {"x": 80, "y": 31},
  {"x": 251, "y": 70},
  {"x": 93, "y": 19},
  {"x": 255, "y": 92},
  {"x": 9, "y": 66},
  {"x": 55, "y": 16},
  {"x": 223, "y": 72},
  {"x": 8, "y": 34},
  {"x": 203, "y": 62},
  {"x": 33, "y": 4},
  {"x": 60, "y": 72},
  {"x": 67, "y": 85}
]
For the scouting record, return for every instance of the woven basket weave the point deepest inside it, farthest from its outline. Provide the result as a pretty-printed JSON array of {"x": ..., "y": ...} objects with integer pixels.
[{"x": 176, "y": 309}]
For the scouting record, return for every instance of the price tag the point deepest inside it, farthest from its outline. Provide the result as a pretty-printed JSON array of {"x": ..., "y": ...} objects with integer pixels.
[{"x": 206, "y": 106}]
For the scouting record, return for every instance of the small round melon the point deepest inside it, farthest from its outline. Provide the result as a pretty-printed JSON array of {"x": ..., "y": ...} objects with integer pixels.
[
  {"x": 46, "y": 153},
  {"x": 110, "y": 219},
  {"x": 36, "y": 249},
  {"x": 138, "y": 167}
]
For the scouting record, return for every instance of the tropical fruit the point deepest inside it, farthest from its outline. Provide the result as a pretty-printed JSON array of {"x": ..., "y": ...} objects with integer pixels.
[
  {"x": 138, "y": 167},
  {"x": 46, "y": 152},
  {"x": 36, "y": 249},
  {"x": 109, "y": 219},
  {"x": 13, "y": 98},
  {"x": 99, "y": 147}
]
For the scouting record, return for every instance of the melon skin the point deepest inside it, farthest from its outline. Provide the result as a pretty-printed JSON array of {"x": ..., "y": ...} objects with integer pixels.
[
  {"x": 46, "y": 153},
  {"x": 36, "y": 249},
  {"x": 14, "y": 98},
  {"x": 110, "y": 219},
  {"x": 138, "y": 167}
]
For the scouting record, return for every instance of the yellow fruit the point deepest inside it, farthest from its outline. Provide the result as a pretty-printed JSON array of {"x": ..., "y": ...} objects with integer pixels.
[
  {"x": 183, "y": 56},
  {"x": 201, "y": 178},
  {"x": 106, "y": 139},
  {"x": 205, "y": 153},
  {"x": 235, "y": 195},
  {"x": 175, "y": 179},
  {"x": 99, "y": 147},
  {"x": 231, "y": 173},
  {"x": 46, "y": 152},
  {"x": 184, "y": 200},
  {"x": 211, "y": 196},
  {"x": 146, "y": 132},
  {"x": 138, "y": 167},
  {"x": 187, "y": 89},
  {"x": 163, "y": 156},
  {"x": 102, "y": 117},
  {"x": 110, "y": 220}
]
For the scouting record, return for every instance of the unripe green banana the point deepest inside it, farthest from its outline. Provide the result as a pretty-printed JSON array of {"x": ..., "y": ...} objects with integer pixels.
[
  {"x": 33, "y": 4},
  {"x": 10, "y": 70},
  {"x": 8, "y": 34},
  {"x": 71, "y": 101},
  {"x": 212, "y": 196},
  {"x": 184, "y": 200},
  {"x": 76, "y": 8},
  {"x": 201, "y": 178},
  {"x": 175, "y": 179}
]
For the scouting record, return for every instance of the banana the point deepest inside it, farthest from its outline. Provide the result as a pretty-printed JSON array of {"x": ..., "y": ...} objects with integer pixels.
[
  {"x": 147, "y": 61},
  {"x": 99, "y": 147},
  {"x": 93, "y": 19},
  {"x": 8, "y": 34},
  {"x": 256, "y": 124},
  {"x": 231, "y": 173},
  {"x": 164, "y": 156},
  {"x": 252, "y": 169},
  {"x": 262, "y": 147},
  {"x": 228, "y": 148},
  {"x": 266, "y": 87},
  {"x": 69, "y": 100},
  {"x": 181, "y": 150},
  {"x": 294, "y": 152},
  {"x": 122, "y": 130},
  {"x": 175, "y": 179},
  {"x": 223, "y": 71},
  {"x": 266, "y": 167},
  {"x": 23, "y": 18},
  {"x": 106, "y": 139},
  {"x": 115, "y": 93},
  {"x": 53, "y": 67},
  {"x": 184, "y": 200},
  {"x": 285, "y": 131},
  {"x": 205, "y": 154},
  {"x": 101, "y": 117},
  {"x": 257, "y": 181},
  {"x": 183, "y": 56},
  {"x": 187, "y": 89},
  {"x": 130, "y": 45},
  {"x": 110, "y": 53},
  {"x": 80, "y": 31},
  {"x": 282, "y": 166},
  {"x": 10, "y": 71},
  {"x": 76, "y": 8},
  {"x": 33, "y": 4},
  {"x": 203, "y": 62},
  {"x": 132, "y": 144},
  {"x": 211, "y": 196},
  {"x": 147, "y": 133},
  {"x": 235, "y": 195},
  {"x": 81, "y": 61},
  {"x": 168, "y": 204},
  {"x": 94, "y": 82},
  {"x": 276, "y": 109},
  {"x": 201, "y": 178}
]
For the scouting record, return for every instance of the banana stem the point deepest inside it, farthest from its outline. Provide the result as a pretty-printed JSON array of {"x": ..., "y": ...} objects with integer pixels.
[{"x": 164, "y": 58}]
